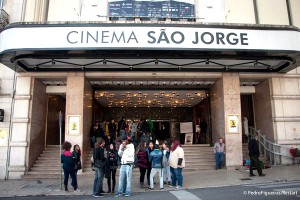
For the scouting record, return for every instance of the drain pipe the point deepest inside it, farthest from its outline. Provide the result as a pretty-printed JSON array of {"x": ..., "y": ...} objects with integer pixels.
[{"x": 12, "y": 108}]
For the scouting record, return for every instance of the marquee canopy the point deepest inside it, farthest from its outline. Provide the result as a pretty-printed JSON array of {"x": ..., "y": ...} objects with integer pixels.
[{"x": 149, "y": 47}]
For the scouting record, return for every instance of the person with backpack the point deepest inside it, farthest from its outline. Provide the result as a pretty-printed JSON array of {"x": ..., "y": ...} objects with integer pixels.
[
  {"x": 165, "y": 162},
  {"x": 156, "y": 163}
]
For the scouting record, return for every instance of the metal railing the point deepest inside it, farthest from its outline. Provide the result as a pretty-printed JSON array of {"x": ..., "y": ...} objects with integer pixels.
[
  {"x": 274, "y": 152},
  {"x": 4, "y": 19}
]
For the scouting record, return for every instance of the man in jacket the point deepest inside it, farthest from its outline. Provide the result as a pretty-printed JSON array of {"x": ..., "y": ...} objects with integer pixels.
[
  {"x": 254, "y": 154},
  {"x": 126, "y": 151},
  {"x": 155, "y": 158}
]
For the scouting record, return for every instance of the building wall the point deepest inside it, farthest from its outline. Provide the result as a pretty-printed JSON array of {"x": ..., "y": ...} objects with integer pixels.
[
  {"x": 6, "y": 88},
  {"x": 241, "y": 11},
  {"x": 20, "y": 128},
  {"x": 37, "y": 126},
  {"x": 263, "y": 110},
  {"x": 272, "y": 12},
  {"x": 295, "y": 12},
  {"x": 64, "y": 10}
]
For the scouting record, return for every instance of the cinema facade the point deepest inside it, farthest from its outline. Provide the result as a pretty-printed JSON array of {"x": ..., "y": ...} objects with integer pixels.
[{"x": 170, "y": 71}]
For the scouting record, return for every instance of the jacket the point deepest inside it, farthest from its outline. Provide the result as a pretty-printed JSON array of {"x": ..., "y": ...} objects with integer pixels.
[
  {"x": 156, "y": 158},
  {"x": 67, "y": 160},
  {"x": 176, "y": 156},
  {"x": 112, "y": 127},
  {"x": 112, "y": 157},
  {"x": 142, "y": 159},
  {"x": 99, "y": 154},
  {"x": 253, "y": 148},
  {"x": 127, "y": 154}
]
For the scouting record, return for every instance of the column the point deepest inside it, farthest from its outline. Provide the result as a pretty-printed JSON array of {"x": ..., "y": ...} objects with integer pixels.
[
  {"x": 79, "y": 100},
  {"x": 225, "y": 103}
]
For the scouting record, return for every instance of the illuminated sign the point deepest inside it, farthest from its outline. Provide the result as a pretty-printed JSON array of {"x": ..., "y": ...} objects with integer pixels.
[{"x": 152, "y": 8}]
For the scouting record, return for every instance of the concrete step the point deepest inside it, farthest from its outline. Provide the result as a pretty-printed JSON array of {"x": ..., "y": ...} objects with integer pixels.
[
  {"x": 44, "y": 172},
  {"x": 52, "y": 168},
  {"x": 48, "y": 162},
  {"x": 54, "y": 165}
]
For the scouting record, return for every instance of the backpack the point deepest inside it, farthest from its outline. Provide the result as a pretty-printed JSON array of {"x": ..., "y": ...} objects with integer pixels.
[{"x": 164, "y": 160}]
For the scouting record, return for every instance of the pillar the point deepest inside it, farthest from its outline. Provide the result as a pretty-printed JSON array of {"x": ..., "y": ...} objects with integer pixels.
[
  {"x": 79, "y": 106},
  {"x": 225, "y": 102}
]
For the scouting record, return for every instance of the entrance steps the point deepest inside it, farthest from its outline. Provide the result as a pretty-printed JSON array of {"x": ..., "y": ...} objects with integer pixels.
[{"x": 197, "y": 157}]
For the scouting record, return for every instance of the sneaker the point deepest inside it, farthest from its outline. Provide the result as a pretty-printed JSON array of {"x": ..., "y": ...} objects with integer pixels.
[
  {"x": 169, "y": 183},
  {"x": 102, "y": 192},
  {"x": 172, "y": 185},
  {"x": 149, "y": 188},
  {"x": 118, "y": 195},
  {"x": 77, "y": 190},
  {"x": 98, "y": 195},
  {"x": 165, "y": 182},
  {"x": 251, "y": 175},
  {"x": 162, "y": 188},
  {"x": 178, "y": 187},
  {"x": 127, "y": 195}
]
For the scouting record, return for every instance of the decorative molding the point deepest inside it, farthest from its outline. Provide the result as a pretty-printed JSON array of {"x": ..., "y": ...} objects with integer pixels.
[
  {"x": 21, "y": 120},
  {"x": 18, "y": 144},
  {"x": 287, "y": 119},
  {"x": 17, "y": 168},
  {"x": 286, "y": 97},
  {"x": 22, "y": 97}
]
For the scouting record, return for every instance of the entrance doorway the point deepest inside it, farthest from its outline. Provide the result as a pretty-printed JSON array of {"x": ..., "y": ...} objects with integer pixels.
[
  {"x": 56, "y": 103},
  {"x": 247, "y": 115}
]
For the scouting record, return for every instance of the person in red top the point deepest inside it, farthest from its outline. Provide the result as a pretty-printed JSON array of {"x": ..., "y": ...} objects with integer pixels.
[
  {"x": 68, "y": 166},
  {"x": 142, "y": 162}
]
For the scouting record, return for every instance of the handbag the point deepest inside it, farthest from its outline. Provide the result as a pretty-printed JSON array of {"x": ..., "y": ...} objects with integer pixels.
[
  {"x": 99, "y": 163},
  {"x": 78, "y": 166}
]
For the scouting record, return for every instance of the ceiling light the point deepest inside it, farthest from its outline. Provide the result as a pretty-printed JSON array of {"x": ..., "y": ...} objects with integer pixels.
[{"x": 192, "y": 97}]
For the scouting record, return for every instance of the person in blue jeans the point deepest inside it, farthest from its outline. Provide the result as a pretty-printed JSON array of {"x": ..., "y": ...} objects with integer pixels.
[
  {"x": 68, "y": 166},
  {"x": 219, "y": 150},
  {"x": 99, "y": 170},
  {"x": 126, "y": 151},
  {"x": 177, "y": 163}
]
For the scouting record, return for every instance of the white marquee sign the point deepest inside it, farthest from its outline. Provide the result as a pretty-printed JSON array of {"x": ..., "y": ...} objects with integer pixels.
[{"x": 146, "y": 37}]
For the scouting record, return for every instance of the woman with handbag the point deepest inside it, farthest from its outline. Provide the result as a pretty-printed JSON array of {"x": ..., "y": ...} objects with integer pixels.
[
  {"x": 112, "y": 157},
  {"x": 99, "y": 164},
  {"x": 77, "y": 157}
]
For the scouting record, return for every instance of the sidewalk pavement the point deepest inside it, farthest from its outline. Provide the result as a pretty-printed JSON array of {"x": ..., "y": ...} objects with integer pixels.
[{"x": 201, "y": 179}]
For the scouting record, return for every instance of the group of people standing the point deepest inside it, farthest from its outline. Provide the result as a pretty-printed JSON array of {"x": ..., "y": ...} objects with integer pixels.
[
  {"x": 125, "y": 147},
  {"x": 168, "y": 161}
]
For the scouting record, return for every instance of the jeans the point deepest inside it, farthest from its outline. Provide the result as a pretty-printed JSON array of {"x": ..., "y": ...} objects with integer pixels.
[
  {"x": 167, "y": 173},
  {"x": 219, "y": 159},
  {"x": 67, "y": 173},
  {"x": 176, "y": 176},
  {"x": 98, "y": 181},
  {"x": 125, "y": 175},
  {"x": 152, "y": 174}
]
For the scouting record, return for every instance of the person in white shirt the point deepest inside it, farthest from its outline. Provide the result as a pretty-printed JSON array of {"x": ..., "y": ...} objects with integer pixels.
[{"x": 126, "y": 151}]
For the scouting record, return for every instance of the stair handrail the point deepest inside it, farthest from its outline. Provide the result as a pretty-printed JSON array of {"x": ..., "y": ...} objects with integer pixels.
[{"x": 266, "y": 145}]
